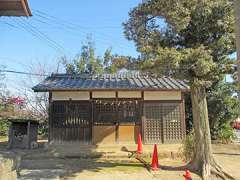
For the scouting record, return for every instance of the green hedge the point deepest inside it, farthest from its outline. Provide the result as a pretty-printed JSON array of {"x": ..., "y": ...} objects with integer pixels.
[{"x": 4, "y": 124}]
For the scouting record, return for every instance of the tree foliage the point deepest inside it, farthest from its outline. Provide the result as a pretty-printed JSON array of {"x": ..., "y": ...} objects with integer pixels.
[
  {"x": 223, "y": 107},
  {"x": 189, "y": 40},
  {"x": 192, "y": 38},
  {"x": 84, "y": 62},
  {"x": 88, "y": 62}
]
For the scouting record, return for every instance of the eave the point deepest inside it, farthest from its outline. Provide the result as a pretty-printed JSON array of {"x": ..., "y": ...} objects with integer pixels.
[{"x": 15, "y": 8}]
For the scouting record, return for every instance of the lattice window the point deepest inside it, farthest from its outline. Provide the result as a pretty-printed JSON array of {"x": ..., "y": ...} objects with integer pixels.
[
  {"x": 152, "y": 123},
  {"x": 162, "y": 122},
  {"x": 172, "y": 122},
  {"x": 129, "y": 112},
  {"x": 70, "y": 114},
  {"x": 107, "y": 112}
]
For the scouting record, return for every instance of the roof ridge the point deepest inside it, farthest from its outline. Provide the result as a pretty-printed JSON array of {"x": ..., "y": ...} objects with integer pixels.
[{"x": 104, "y": 75}]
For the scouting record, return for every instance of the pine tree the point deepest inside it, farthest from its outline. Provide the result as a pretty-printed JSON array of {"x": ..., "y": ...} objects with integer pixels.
[{"x": 189, "y": 40}]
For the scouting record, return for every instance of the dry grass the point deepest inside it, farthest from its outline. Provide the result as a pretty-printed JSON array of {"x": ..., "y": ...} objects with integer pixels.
[{"x": 3, "y": 138}]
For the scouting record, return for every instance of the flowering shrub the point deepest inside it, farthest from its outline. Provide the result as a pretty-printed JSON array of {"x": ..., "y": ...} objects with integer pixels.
[{"x": 236, "y": 125}]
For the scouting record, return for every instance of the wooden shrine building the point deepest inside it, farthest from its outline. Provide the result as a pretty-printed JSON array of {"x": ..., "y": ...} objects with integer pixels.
[{"x": 106, "y": 108}]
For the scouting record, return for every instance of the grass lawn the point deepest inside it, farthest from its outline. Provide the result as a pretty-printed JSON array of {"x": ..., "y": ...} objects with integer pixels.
[{"x": 123, "y": 166}]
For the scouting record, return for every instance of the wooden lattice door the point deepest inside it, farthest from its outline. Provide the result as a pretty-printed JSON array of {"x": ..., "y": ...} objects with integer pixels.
[
  {"x": 172, "y": 122},
  {"x": 162, "y": 122},
  {"x": 152, "y": 123},
  {"x": 70, "y": 121}
]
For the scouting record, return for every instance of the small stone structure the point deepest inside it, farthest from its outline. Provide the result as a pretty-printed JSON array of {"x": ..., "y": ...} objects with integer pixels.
[{"x": 23, "y": 133}]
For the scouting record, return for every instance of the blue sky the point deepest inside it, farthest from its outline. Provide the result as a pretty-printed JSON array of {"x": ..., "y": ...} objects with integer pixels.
[{"x": 67, "y": 23}]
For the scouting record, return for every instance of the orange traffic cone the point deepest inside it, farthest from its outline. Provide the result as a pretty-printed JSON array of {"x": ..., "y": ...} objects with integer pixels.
[
  {"x": 155, "y": 165},
  {"x": 187, "y": 175},
  {"x": 139, "y": 147}
]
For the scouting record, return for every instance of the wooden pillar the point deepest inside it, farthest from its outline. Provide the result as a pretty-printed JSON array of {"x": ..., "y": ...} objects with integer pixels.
[
  {"x": 183, "y": 118},
  {"x": 142, "y": 115},
  {"x": 10, "y": 136},
  {"x": 91, "y": 118},
  {"x": 117, "y": 123},
  {"x": 28, "y": 134},
  {"x": 50, "y": 117}
]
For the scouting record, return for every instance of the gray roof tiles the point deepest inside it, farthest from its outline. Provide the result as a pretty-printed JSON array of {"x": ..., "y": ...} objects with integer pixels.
[{"x": 109, "y": 81}]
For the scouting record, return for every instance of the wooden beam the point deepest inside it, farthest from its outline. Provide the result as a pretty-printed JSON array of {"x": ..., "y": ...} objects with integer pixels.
[
  {"x": 28, "y": 134},
  {"x": 117, "y": 123},
  {"x": 26, "y": 8},
  {"x": 49, "y": 116},
  {"x": 183, "y": 118}
]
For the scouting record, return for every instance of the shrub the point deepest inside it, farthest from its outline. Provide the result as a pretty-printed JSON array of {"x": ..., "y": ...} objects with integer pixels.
[
  {"x": 4, "y": 127},
  {"x": 188, "y": 147},
  {"x": 225, "y": 133},
  {"x": 43, "y": 129}
]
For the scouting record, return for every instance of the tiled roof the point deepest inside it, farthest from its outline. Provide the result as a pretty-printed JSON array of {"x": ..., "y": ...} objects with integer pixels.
[{"x": 108, "y": 82}]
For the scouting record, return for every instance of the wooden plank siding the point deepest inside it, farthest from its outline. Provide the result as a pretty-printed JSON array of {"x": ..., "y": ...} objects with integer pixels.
[
  {"x": 70, "y": 121},
  {"x": 157, "y": 121}
]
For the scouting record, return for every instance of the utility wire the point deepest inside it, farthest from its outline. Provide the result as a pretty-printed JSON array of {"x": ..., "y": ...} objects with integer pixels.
[
  {"x": 63, "y": 23},
  {"x": 34, "y": 34},
  {"x": 57, "y": 45},
  {"x": 72, "y": 26},
  {"x": 9, "y": 24},
  {"x": 21, "y": 72},
  {"x": 85, "y": 27},
  {"x": 38, "y": 35}
]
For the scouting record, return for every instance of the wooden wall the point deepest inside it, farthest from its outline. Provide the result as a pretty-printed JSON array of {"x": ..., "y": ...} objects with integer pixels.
[
  {"x": 104, "y": 134},
  {"x": 115, "y": 134},
  {"x": 85, "y": 95},
  {"x": 162, "y": 95},
  {"x": 71, "y": 116},
  {"x": 74, "y": 95},
  {"x": 128, "y": 133}
]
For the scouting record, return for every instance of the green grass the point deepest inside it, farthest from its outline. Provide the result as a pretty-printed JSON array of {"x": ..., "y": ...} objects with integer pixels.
[{"x": 123, "y": 167}]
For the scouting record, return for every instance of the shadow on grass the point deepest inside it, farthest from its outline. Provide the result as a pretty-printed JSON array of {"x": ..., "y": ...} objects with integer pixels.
[
  {"x": 70, "y": 161},
  {"x": 53, "y": 163},
  {"x": 134, "y": 154}
]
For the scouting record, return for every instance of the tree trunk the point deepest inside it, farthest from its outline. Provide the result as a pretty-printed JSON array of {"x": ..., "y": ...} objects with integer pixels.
[
  {"x": 203, "y": 161},
  {"x": 203, "y": 155}
]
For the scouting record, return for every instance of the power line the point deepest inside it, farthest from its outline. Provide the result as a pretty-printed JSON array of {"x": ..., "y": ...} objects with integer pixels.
[
  {"x": 9, "y": 24},
  {"x": 38, "y": 35},
  {"x": 72, "y": 26},
  {"x": 38, "y": 19},
  {"x": 34, "y": 34},
  {"x": 87, "y": 27},
  {"x": 44, "y": 35},
  {"x": 21, "y": 72},
  {"x": 77, "y": 32}
]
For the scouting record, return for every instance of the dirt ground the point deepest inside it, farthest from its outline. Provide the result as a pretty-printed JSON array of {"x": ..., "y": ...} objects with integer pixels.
[
  {"x": 95, "y": 169},
  {"x": 40, "y": 164}
]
